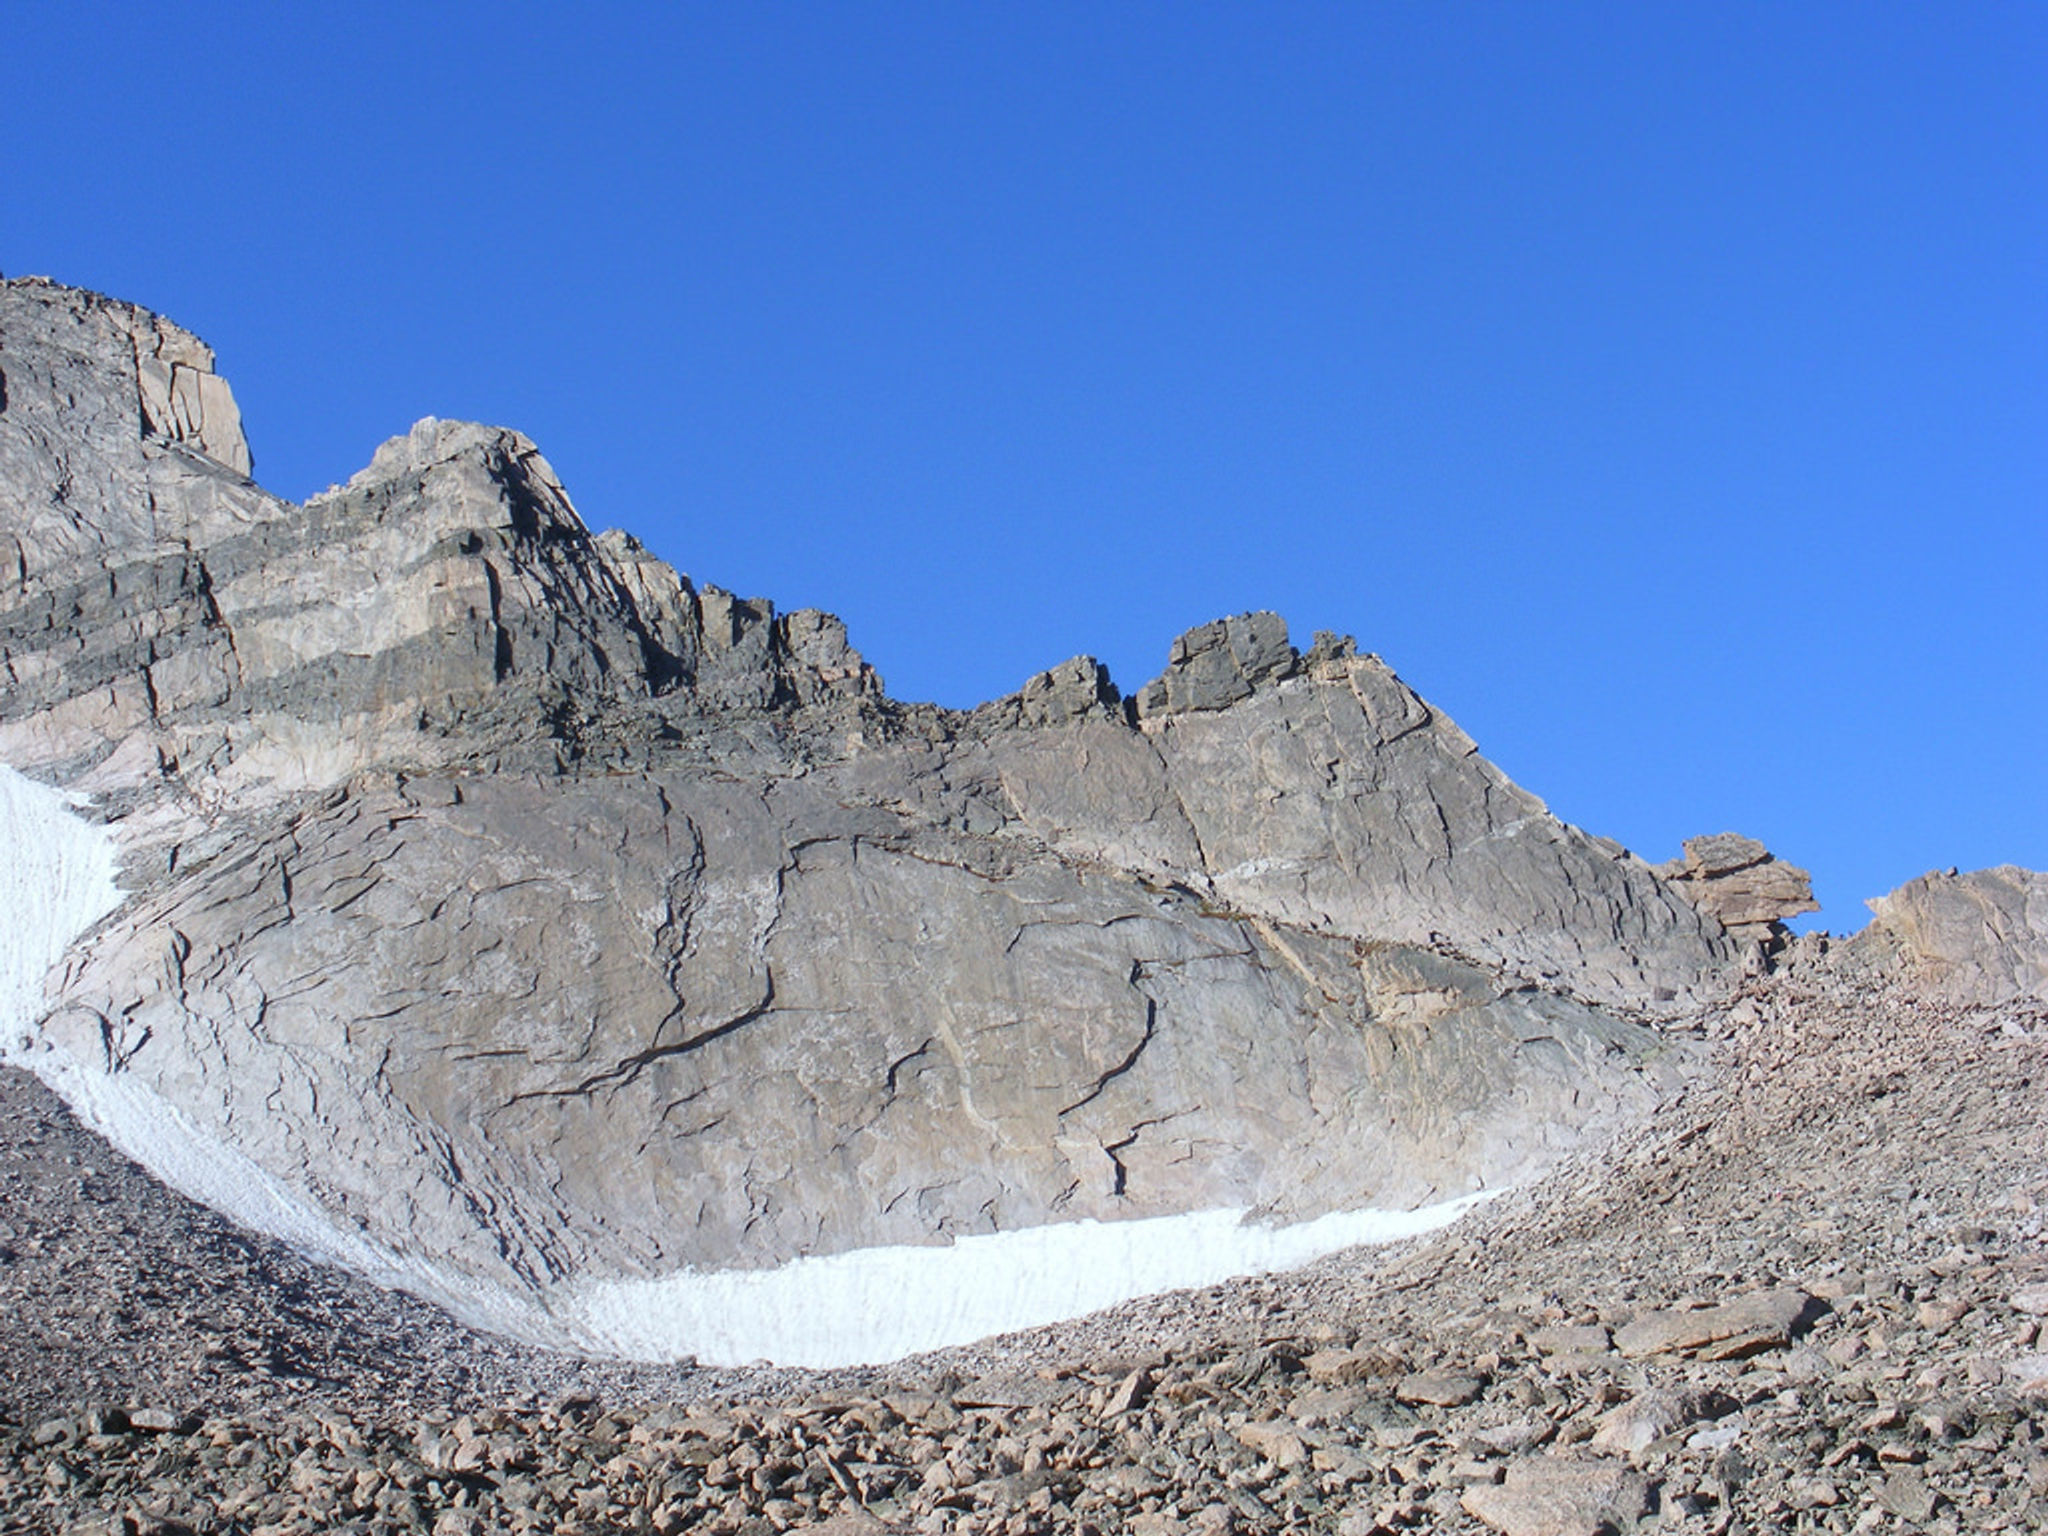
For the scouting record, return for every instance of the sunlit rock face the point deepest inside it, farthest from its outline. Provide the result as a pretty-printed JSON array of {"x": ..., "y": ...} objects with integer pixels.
[
  {"x": 1975, "y": 938},
  {"x": 529, "y": 919}
]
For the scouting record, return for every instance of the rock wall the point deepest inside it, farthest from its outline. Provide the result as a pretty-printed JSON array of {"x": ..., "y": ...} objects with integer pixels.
[
  {"x": 524, "y": 905},
  {"x": 1976, "y": 938}
]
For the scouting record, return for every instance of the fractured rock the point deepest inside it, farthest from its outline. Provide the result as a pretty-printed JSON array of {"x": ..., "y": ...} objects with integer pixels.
[
  {"x": 182, "y": 398},
  {"x": 1214, "y": 665},
  {"x": 1076, "y": 689},
  {"x": 1977, "y": 938},
  {"x": 1906, "y": 1494},
  {"x": 1736, "y": 879},
  {"x": 531, "y": 917}
]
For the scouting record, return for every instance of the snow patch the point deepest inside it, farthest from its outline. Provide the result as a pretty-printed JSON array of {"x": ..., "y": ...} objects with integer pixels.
[
  {"x": 56, "y": 882},
  {"x": 866, "y": 1307},
  {"x": 874, "y": 1305}
]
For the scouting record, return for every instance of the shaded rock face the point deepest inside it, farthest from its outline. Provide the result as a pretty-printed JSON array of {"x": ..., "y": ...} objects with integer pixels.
[{"x": 520, "y": 905}]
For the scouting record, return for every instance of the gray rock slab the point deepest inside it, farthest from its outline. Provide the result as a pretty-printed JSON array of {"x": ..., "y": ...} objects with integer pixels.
[
  {"x": 517, "y": 903},
  {"x": 1557, "y": 1495}
]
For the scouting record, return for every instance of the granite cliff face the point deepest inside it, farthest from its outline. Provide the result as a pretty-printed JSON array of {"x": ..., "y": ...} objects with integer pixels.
[
  {"x": 523, "y": 909},
  {"x": 1978, "y": 938}
]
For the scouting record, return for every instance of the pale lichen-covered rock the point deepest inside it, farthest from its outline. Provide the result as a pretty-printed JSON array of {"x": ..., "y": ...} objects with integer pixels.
[
  {"x": 524, "y": 907},
  {"x": 1980, "y": 937}
]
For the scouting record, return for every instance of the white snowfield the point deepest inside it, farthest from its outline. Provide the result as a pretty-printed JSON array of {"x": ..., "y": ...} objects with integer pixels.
[
  {"x": 861, "y": 1308},
  {"x": 56, "y": 881},
  {"x": 879, "y": 1304}
]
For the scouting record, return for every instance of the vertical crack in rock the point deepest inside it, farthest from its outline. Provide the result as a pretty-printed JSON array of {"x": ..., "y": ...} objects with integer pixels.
[
  {"x": 1120, "y": 1180},
  {"x": 1130, "y": 1060},
  {"x": 896, "y": 1066}
]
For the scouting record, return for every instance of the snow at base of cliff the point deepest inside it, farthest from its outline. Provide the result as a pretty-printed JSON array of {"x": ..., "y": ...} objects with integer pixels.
[
  {"x": 866, "y": 1307},
  {"x": 879, "y": 1304}
]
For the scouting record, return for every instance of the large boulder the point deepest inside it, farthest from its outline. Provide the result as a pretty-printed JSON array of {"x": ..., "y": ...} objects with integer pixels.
[{"x": 1741, "y": 884}]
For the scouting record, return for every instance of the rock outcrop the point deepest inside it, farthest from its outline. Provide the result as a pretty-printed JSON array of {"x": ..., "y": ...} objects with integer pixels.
[
  {"x": 1975, "y": 938},
  {"x": 1738, "y": 882},
  {"x": 530, "y": 914}
]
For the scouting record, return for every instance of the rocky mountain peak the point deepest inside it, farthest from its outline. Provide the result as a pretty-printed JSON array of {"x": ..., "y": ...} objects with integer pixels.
[{"x": 527, "y": 921}]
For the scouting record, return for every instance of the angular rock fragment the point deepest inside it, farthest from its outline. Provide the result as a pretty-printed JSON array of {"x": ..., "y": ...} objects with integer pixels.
[
  {"x": 1556, "y": 1495},
  {"x": 1906, "y": 1494},
  {"x": 2030, "y": 1299},
  {"x": 1277, "y": 1440},
  {"x": 1446, "y": 1389},
  {"x": 1744, "y": 1326},
  {"x": 2029, "y": 1373},
  {"x": 1649, "y": 1416}
]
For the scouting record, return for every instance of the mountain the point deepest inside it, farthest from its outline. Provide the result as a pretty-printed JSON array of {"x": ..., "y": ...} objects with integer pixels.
[{"x": 475, "y": 901}]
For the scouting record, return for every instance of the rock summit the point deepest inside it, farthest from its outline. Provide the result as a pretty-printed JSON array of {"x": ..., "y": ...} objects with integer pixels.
[{"x": 503, "y": 914}]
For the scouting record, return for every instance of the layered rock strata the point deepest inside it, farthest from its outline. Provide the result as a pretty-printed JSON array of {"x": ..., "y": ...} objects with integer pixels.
[
  {"x": 521, "y": 908},
  {"x": 1737, "y": 880}
]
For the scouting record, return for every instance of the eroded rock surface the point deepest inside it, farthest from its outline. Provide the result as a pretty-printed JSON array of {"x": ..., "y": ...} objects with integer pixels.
[
  {"x": 1737, "y": 880},
  {"x": 517, "y": 904},
  {"x": 1980, "y": 937}
]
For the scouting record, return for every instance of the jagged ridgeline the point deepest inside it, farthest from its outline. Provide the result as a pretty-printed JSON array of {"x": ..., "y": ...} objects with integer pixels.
[{"x": 503, "y": 913}]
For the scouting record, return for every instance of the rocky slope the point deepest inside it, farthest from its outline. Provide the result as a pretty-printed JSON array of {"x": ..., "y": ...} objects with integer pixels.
[
  {"x": 500, "y": 911},
  {"x": 515, "y": 914},
  {"x": 1806, "y": 1295}
]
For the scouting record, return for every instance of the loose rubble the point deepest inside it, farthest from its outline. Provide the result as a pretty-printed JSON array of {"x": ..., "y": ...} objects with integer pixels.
[
  {"x": 1805, "y": 1296},
  {"x": 748, "y": 961}
]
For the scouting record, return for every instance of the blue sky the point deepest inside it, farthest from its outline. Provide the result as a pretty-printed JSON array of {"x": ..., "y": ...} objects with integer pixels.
[{"x": 1662, "y": 390}]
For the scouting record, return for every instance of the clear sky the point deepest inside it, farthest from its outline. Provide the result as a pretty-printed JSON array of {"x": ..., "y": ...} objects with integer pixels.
[{"x": 1662, "y": 390}]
